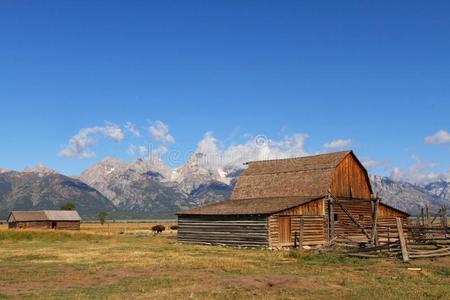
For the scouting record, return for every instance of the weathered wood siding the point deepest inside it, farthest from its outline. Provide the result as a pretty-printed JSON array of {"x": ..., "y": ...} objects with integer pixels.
[
  {"x": 68, "y": 225},
  {"x": 313, "y": 208},
  {"x": 350, "y": 180},
  {"x": 361, "y": 210},
  {"x": 234, "y": 230},
  {"x": 30, "y": 224},
  {"x": 314, "y": 225},
  {"x": 61, "y": 225},
  {"x": 387, "y": 223},
  {"x": 314, "y": 231},
  {"x": 344, "y": 227}
]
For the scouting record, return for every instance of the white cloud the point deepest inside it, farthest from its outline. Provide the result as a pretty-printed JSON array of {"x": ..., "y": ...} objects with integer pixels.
[
  {"x": 79, "y": 144},
  {"x": 370, "y": 163},
  {"x": 132, "y": 129},
  {"x": 420, "y": 172},
  {"x": 160, "y": 132},
  {"x": 338, "y": 143},
  {"x": 440, "y": 137},
  {"x": 255, "y": 148}
]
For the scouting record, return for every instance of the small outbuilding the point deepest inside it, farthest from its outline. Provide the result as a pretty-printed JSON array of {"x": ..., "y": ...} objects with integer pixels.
[
  {"x": 309, "y": 200},
  {"x": 45, "y": 219}
]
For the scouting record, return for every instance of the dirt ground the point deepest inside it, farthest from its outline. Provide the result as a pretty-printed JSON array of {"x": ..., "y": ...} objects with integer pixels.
[{"x": 130, "y": 261}]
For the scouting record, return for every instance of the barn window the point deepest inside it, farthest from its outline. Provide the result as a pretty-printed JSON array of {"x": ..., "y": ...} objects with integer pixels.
[{"x": 336, "y": 217}]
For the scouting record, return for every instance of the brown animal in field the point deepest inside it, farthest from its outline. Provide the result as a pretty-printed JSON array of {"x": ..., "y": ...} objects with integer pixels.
[
  {"x": 174, "y": 227},
  {"x": 158, "y": 228}
]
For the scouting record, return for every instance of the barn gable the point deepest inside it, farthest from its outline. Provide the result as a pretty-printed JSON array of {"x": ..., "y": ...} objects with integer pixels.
[{"x": 350, "y": 179}]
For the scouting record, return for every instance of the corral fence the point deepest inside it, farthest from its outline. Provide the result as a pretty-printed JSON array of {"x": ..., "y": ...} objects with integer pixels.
[{"x": 424, "y": 237}]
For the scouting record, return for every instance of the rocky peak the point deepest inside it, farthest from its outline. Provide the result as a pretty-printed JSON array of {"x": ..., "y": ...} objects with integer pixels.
[
  {"x": 39, "y": 169},
  {"x": 4, "y": 170}
]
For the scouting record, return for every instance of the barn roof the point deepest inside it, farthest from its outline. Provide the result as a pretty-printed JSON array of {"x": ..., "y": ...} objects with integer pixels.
[
  {"x": 249, "y": 206},
  {"x": 307, "y": 176},
  {"x": 44, "y": 215}
]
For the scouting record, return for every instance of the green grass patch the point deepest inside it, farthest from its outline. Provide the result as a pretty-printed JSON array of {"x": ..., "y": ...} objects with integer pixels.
[
  {"x": 16, "y": 236},
  {"x": 442, "y": 271},
  {"x": 316, "y": 258},
  {"x": 31, "y": 257}
]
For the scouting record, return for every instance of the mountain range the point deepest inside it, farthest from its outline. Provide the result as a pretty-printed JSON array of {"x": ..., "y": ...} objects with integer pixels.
[{"x": 149, "y": 188}]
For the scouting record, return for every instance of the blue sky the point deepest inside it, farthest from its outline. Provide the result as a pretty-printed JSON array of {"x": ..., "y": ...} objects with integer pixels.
[{"x": 373, "y": 74}]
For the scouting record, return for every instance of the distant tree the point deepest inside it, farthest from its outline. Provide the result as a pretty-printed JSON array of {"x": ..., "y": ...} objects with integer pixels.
[
  {"x": 68, "y": 206},
  {"x": 102, "y": 217}
]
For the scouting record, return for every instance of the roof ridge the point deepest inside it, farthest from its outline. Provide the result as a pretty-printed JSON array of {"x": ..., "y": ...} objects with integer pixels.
[
  {"x": 293, "y": 171},
  {"x": 298, "y": 157}
]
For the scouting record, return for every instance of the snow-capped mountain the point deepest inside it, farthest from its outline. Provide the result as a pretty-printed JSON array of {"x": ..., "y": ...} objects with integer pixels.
[
  {"x": 196, "y": 173},
  {"x": 439, "y": 188},
  {"x": 151, "y": 186},
  {"x": 410, "y": 197}
]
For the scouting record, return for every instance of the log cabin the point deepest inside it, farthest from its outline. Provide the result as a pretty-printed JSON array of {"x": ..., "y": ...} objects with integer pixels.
[
  {"x": 45, "y": 219},
  {"x": 309, "y": 200}
]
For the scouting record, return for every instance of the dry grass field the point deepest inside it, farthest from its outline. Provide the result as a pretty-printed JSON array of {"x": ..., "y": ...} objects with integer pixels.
[{"x": 118, "y": 261}]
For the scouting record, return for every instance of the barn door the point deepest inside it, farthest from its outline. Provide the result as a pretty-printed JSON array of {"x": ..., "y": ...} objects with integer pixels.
[{"x": 284, "y": 229}]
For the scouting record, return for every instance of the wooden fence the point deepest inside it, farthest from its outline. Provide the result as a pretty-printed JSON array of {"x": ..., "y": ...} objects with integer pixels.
[{"x": 409, "y": 242}]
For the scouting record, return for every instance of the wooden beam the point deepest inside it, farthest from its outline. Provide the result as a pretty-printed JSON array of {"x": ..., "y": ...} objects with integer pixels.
[
  {"x": 302, "y": 225},
  {"x": 330, "y": 219},
  {"x": 402, "y": 240},
  {"x": 437, "y": 215},
  {"x": 422, "y": 217},
  {"x": 374, "y": 239}
]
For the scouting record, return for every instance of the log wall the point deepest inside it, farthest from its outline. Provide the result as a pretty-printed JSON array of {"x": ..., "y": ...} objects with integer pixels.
[
  {"x": 61, "y": 225},
  {"x": 313, "y": 232},
  {"x": 233, "y": 230},
  {"x": 68, "y": 225},
  {"x": 350, "y": 180},
  {"x": 361, "y": 210},
  {"x": 31, "y": 224}
]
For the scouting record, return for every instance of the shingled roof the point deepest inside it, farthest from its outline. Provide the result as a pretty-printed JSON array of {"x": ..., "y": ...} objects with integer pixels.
[
  {"x": 44, "y": 215},
  {"x": 249, "y": 206},
  {"x": 308, "y": 176}
]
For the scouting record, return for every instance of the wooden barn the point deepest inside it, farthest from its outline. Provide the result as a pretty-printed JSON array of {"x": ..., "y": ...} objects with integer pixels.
[
  {"x": 45, "y": 219},
  {"x": 308, "y": 200}
]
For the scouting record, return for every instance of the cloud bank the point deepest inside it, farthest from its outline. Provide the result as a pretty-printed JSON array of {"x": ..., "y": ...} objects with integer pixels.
[
  {"x": 215, "y": 155},
  {"x": 421, "y": 172},
  {"x": 338, "y": 143},
  {"x": 80, "y": 143},
  {"x": 440, "y": 137},
  {"x": 160, "y": 132}
]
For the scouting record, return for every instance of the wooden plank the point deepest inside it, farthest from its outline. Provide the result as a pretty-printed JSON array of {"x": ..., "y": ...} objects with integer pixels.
[
  {"x": 402, "y": 240},
  {"x": 373, "y": 239}
]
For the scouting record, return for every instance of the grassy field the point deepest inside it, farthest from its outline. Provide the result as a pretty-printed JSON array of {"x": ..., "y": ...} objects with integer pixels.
[{"x": 125, "y": 260}]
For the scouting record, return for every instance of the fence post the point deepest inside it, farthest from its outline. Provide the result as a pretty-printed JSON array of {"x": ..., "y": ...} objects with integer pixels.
[
  {"x": 402, "y": 240},
  {"x": 389, "y": 238},
  {"x": 300, "y": 239},
  {"x": 445, "y": 216},
  {"x": 422, "y": 217}
]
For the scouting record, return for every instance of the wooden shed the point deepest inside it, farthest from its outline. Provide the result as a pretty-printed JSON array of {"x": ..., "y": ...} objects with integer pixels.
[
  {"x": 309, "y": 200},
  {"x": 45, "y": 219}
]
